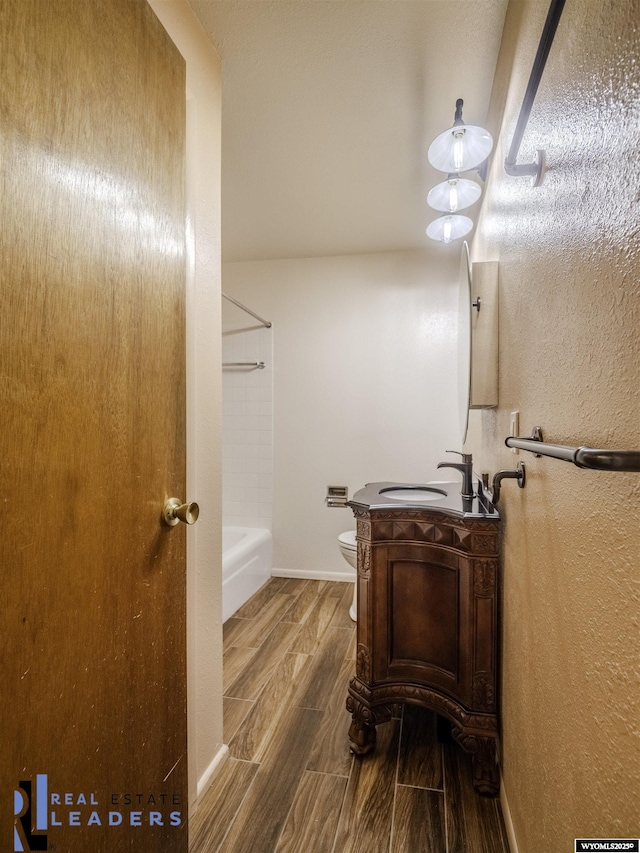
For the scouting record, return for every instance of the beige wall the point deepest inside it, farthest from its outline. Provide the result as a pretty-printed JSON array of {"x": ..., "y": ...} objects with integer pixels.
[
  {"x": 204, "y": 570},
  {"x": 364, "y": 375},
  {"x": 569, "y": 320}
]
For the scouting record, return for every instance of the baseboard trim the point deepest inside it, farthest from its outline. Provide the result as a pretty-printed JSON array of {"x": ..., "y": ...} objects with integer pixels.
[
  {"x": 204, "y": 783},
  {"x": 313, "y": 575},
  {"x": 506, "y": 814}
]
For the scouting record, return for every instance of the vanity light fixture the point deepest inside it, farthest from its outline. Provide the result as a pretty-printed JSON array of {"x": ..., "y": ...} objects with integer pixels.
[
  {"x": 462, "y": 147},
  {"x": 448, "y": 228},
  {"x": 454, "y": 194},
  {"x": 459, "y": 149}
]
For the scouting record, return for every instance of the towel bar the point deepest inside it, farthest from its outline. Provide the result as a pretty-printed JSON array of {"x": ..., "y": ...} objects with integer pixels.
[{"x": 582, "y": 457}]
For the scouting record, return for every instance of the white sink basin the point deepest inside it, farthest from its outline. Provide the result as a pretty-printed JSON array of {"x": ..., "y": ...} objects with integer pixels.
[{"x": 409, "y": 494}]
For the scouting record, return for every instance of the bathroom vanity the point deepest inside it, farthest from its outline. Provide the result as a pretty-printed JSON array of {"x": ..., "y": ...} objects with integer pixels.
[{"x": 427, "y": 632}]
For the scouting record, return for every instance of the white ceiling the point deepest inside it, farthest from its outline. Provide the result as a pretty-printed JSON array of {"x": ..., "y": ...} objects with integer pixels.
[{"x": 329, "y": 107}]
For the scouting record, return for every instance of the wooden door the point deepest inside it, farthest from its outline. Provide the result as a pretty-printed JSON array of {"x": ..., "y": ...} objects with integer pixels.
[{"x": 92, "y": 379}]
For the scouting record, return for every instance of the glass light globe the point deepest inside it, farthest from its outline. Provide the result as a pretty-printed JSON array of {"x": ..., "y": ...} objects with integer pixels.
[
  {"x": 449, "y": 228},
  {"x": 454, "y": 194},
  {"x": 460, "y": 148}
]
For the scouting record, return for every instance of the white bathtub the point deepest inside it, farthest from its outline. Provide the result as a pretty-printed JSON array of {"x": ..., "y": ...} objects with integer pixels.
[{"x": 246, "y": 565}]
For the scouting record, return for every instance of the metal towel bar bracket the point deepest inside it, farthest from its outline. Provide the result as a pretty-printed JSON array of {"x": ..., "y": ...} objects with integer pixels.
[{"x": 582, "y": 457}]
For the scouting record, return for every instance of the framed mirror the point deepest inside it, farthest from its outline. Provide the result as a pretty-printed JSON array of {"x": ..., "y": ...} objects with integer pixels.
[{"x": 464, "y": 341}]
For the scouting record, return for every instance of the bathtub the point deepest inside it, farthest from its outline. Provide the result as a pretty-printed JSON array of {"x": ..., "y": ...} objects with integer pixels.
[{"x": 246, "y": 565}]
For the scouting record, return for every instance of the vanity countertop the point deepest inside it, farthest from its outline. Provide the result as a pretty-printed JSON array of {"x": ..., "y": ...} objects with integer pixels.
[{"x": 443, "y": 497}]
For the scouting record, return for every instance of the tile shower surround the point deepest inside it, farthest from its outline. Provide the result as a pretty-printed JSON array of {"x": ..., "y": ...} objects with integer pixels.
[{"x": 247, "y": 412}]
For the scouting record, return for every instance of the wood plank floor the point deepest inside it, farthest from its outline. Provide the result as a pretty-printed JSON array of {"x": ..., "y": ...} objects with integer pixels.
[{"x": 291, "y": 785}]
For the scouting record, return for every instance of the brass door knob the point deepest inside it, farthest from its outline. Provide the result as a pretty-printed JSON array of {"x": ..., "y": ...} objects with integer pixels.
[{"x": 175, "y": 511}]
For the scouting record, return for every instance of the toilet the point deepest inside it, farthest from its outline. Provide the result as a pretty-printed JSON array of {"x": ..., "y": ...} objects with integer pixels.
[{"x": 349, "y": 550}]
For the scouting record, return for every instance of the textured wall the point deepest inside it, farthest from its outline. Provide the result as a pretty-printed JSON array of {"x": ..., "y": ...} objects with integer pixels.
[{"x": 569, "y": 317}]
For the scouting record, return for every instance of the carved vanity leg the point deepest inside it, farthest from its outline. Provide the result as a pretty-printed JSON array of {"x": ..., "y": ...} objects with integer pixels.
[
  {"x": 486, "y": 779},
  {"x": 362, "y": 731},
  {"x": 362, "y": 734}
]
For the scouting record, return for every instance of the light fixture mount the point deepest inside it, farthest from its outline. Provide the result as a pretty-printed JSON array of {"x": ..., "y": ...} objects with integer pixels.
[{"x": 457, "y": 119}]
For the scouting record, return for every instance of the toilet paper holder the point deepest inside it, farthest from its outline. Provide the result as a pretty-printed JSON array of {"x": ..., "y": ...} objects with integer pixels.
[{"x": 337, "y": 495}]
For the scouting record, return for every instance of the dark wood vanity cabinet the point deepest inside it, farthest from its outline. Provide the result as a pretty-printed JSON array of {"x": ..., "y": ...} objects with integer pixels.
[{"x": 428, "y": 627}]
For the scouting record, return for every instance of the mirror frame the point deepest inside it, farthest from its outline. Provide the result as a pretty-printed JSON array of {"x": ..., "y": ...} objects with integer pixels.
[{"x": 464, "y": 340}]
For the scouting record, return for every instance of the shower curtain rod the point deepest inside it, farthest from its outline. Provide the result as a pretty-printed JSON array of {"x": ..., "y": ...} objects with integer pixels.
[{"x": 248, "y": 310}]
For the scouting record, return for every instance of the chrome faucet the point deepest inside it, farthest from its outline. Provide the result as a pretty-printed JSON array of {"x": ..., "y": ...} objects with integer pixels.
[{"x": 466, "y": 468}]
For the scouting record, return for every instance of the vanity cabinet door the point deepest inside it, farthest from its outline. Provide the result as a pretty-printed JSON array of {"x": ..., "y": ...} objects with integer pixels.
[{"x": 422, "y": 630}]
